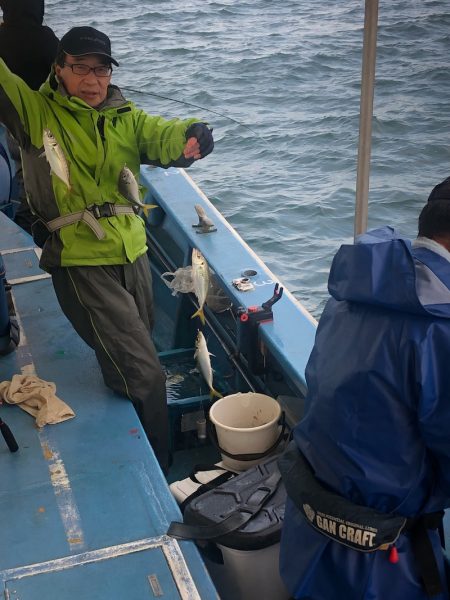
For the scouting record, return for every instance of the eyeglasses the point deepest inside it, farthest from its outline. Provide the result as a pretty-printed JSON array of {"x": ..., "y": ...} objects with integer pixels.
[{"x": 80, "y": 69}]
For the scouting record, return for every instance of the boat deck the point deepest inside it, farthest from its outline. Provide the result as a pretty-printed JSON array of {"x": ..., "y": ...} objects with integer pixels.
[{"x": 84, "y": 506}]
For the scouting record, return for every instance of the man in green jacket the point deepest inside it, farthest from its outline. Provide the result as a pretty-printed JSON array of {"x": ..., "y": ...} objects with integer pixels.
[{"x": 94, "y": 244}]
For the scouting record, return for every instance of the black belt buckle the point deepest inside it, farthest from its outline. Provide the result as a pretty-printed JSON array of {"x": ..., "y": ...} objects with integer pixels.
[{"x": 102, "y": 210}]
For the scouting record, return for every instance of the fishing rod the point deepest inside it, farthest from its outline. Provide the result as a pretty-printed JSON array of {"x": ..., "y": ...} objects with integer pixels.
[{"x": 215, "y": 112}]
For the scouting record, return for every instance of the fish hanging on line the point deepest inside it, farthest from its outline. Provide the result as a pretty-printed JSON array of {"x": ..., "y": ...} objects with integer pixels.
[
  {"x": 129, "y": 188},
  {"x": 202, "y": 355},
  {"x": 55, "y": 157},
  {"x": 200, "y": 281}
]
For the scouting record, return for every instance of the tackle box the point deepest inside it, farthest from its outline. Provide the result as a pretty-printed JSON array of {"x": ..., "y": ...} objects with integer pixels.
[{"x": 250, "y": 554}]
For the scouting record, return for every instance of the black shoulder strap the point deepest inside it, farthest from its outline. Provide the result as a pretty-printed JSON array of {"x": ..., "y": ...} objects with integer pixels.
[
  {"x": 204, "y": 467},
  {"x": 233, "y": 521},
  {"x": 205, "y": 487},
  {"x": 424, "y": 553}
]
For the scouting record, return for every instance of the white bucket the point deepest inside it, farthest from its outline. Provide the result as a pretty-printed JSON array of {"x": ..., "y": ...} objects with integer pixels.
[
  {"x": 255, "y": 573},
  {"x": 245, "y": 424}
]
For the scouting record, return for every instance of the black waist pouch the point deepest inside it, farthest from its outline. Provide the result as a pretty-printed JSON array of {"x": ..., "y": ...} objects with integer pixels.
[{"x": 358, "y": 527}]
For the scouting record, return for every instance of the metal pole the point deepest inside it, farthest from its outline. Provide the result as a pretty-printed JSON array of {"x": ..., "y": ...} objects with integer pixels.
[{"x": 365, "y": 115}]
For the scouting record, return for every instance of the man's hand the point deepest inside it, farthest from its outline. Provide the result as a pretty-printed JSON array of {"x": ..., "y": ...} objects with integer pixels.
[{"x": 200, "y": 141}]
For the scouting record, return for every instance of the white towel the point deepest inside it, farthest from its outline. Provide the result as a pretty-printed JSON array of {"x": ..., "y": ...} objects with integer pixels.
[{"x": 37, "y": 397}]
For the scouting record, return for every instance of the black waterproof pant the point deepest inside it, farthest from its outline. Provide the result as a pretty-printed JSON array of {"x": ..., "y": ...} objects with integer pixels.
[{"x": 111, "y": 308}]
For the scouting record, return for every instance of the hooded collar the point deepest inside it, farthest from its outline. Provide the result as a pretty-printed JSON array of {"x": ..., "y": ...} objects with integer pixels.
[
  {"x": 424, "y": 242},
  {"x": 383, "y": 269},
  {"x": 22, "y": 12}
]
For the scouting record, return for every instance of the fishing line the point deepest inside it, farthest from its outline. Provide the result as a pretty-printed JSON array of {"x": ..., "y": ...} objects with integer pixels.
[{"x": 194, "y": 106}]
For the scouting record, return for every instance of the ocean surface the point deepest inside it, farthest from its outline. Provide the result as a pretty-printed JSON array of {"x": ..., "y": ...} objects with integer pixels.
[{"x": 279, "y": 80}]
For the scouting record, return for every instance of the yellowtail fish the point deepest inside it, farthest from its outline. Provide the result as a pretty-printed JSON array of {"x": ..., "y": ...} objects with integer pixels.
[
  {"x": 55, "y": 157},
  {"x": 204, "y": 364},
  {"x": 129, "y": 188},
  {"x": 200, "y": 280}
]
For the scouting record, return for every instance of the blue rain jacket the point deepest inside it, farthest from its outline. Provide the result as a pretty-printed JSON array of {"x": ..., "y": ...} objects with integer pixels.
[{"x": 377, "y": 423}]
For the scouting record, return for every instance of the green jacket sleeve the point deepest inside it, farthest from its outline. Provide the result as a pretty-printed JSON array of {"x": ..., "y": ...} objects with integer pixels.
[
  {"x": 21, "y": 108},
  {"x": 161, "y": 142}
]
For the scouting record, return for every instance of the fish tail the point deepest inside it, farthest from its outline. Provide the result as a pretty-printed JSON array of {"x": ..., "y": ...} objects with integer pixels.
[
  {"x": 201, "y": 314},
  {"x": 147, "y": 208},
  {"x": 214, "y": 394}
]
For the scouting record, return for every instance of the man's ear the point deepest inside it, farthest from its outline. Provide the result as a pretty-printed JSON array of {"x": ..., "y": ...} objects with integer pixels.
[{"x": 58, "y": 70}]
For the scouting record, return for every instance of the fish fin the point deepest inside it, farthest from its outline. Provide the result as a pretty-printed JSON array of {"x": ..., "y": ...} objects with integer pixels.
[
  {"x": 201, "y": 314},
  {"x": 147, "y": 208},
  {"x": 214, "y": 393}
]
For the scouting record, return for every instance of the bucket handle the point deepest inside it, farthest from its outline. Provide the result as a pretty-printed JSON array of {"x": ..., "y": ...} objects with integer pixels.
[{"x": 254, "y": 456}]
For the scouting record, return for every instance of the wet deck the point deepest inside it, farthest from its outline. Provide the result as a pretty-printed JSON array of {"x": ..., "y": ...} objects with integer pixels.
[{"x": 84, "y": 506}]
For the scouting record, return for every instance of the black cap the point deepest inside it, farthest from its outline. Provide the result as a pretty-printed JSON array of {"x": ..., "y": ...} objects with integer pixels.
[
  {"x": 80, "y": 41},
  {"x": 441, "y": 191}
]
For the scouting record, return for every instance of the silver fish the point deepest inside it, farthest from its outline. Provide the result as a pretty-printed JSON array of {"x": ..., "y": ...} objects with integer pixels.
[
  {"x": 129, "y": 188},
  {"x": 55, "y": 157},
  {"x": 204, "y": 364},
  {"x": 200, "y": 280}
]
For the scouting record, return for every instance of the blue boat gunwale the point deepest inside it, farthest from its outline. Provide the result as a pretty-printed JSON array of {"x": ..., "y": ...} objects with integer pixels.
[{"x": 290, "y": 336}]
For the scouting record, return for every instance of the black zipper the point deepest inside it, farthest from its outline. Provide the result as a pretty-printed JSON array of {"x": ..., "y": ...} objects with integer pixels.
[{"x": 101, "y": 127}]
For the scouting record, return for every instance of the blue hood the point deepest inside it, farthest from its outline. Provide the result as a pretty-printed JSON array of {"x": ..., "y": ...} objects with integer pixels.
[{"x": 382, "y": 269}]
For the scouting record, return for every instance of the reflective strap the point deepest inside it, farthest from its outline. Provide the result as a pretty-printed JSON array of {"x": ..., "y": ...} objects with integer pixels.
[
  {"x": 87, "y": 217},
  {"x": 71, "y": 218}
]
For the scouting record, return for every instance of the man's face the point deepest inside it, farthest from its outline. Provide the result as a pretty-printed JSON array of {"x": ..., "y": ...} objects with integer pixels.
[{"x": 91, "y": 87}]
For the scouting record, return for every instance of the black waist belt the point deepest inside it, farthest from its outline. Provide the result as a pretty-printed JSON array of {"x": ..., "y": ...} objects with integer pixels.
[
  {"x": 358, "y": 527},
  {"x": 417, "y": 529}
]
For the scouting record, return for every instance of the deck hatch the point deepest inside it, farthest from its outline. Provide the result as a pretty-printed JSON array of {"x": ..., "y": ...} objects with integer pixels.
[{"x": 114, "y": 573}]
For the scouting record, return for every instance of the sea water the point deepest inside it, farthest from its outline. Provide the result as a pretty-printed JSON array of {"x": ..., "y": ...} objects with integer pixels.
[{"x": 279, "y": 80}]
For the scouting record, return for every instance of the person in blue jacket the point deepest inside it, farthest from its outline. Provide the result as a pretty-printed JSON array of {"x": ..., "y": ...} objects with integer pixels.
[{"x": 368, "y": 471}]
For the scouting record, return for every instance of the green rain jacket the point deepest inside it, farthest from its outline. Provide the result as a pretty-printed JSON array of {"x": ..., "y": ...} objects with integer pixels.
[{"x": 97, "y": 144}]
